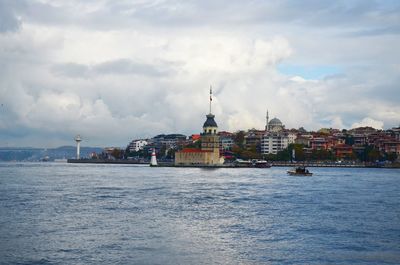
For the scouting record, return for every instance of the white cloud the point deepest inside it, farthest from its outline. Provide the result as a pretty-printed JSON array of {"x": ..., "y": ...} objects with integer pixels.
[
  {"x": 368, "y": 122},
  {"x": 131, "y": 73}
]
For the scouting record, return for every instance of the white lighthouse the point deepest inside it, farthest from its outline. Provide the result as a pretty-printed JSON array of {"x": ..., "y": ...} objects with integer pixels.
[
  {"x": 78, "y": 141},
  {"x": 153, "y": 161}
]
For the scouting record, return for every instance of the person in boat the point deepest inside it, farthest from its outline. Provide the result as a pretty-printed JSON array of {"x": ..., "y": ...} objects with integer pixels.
[{"x": 301, "y": 170}]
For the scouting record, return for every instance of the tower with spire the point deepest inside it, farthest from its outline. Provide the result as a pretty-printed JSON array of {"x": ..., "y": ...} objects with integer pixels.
[
  {"x": 208, "y": 154},
  {"x": 209, "y": 137}
]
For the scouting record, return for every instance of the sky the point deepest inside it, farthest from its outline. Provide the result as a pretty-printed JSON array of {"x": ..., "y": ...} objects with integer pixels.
[{"x": 113, "y": 71}]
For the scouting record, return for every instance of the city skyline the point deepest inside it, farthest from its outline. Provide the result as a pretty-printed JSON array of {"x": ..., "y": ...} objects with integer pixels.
[{"x": 116, "y": 71}]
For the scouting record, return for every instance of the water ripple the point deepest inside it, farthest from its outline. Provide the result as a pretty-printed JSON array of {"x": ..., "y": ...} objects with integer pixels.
[{"x": 96, "y": 214}]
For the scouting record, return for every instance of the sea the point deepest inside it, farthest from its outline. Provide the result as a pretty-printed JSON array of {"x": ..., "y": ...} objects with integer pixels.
[{"x": 59, "y": 213}]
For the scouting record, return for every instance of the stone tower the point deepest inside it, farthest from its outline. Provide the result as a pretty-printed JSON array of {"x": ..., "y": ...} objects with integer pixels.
[{"x": 209, "y": 137}]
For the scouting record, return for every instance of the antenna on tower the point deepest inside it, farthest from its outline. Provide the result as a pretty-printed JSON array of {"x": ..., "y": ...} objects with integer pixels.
[{"x": 267, "y": 125}]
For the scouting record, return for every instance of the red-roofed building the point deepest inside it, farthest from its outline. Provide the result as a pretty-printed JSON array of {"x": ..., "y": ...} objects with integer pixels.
[
  {"x": 195, "y": 137},
  {"x": 343, "y": 151}
]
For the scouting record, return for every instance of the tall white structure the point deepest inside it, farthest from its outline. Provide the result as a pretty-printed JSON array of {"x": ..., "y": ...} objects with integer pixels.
[
  {"x": 78, "y": 141},
  {"x": 153, "y": 161}
]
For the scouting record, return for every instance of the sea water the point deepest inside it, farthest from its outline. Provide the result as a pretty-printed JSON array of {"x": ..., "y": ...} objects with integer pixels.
[{"x": 54, "y": 213}]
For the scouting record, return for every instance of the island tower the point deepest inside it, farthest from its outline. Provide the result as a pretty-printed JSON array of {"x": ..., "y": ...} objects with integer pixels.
[{"x": 208, "y": 154}]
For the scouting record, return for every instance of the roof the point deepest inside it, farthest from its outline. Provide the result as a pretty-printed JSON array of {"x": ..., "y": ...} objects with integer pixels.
[
  {"x": 210, "y": 122},
  {"x": 194, "y": 150},
  {"x": 196, "y": 137},
  {"x": 275, "y": 121}
]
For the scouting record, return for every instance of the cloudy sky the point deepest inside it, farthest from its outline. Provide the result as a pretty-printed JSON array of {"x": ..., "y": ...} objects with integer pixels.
[{"x": 117, "y": 70}]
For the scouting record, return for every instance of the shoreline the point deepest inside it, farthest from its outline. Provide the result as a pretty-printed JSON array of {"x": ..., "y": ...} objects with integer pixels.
[{"x": 273, "y": 164}]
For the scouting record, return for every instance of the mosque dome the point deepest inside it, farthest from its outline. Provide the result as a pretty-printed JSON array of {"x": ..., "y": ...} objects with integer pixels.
[
  {"x": 210, "y": 122},
  {"x": 275, "y": 122}
]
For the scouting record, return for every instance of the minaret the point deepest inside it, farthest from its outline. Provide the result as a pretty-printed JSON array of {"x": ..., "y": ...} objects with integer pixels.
[
  {"x": 78, "y": 141},
  {"x": 267, "y": 125}
]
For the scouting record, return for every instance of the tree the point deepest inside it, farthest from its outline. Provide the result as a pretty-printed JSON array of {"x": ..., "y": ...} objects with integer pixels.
[
  {"x": 299, "y": 151},
  {"x": 196, "y": 144},
  {"x": 373, "y": 155},
  {"x": 117, "y": 153},
  {"x": 170, "y": 153},
  {"x": 239, "y": 139},
  {"x": 237, "y": 151},
  {"x": 283, "y": 155},
  {"x": 391, "y": 156}
]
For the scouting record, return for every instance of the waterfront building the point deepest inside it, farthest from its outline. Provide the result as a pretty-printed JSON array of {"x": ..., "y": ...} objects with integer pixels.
[
  {"x": 209, "y": 153},
  {"x": 137, "y": 145},
  {"x": 343, "y": 151},
  {"x": 164, "y": 142},
  {"x": 275, "y": 138},
  {"x": 273, "y": 142},
  {"x": 391, "y": 147},
  {"x": 226, "y": 143},
  {"x": 304, "y": 140},
  {"x": 253, "y": 139},
  {"x": 291, "y": 137},
  {"x": 319, "y": 143}
]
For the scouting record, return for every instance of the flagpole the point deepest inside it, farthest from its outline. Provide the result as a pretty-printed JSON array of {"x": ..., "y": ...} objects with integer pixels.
[{"x": 210, "y": 97}]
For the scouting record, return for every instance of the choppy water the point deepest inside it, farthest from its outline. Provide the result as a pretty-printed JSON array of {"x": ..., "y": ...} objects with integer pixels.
[{"x": 103, "y": 214}]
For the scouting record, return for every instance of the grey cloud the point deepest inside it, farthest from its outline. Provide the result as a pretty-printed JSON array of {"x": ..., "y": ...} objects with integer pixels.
[
  {"x": 125, "y": 66},
  {"x": 72, "y": 70},
  {"x": 311, "y": 13},
  {"x": 8, "y": 19},
  {"x": 114, "y": 67},
  {"x": 117, "y": 14},
  {"x": 374, "y": 32}
]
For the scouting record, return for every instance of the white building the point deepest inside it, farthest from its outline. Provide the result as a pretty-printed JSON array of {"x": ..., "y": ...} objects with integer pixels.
[
  {"x": 292, "y": 137},
  {"x": 275, "y": 138},
  {"x": 137, "y": 145},
  {"x": 273, "y": 142}
]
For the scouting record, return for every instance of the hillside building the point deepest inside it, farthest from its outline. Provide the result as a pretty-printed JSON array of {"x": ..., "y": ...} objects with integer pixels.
[
  {"x": 276, "y": 138},
  {"x": 137, "y": 145}
]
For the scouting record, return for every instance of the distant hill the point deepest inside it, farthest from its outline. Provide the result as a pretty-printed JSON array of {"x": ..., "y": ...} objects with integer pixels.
[{"x": 37, "y": 154}]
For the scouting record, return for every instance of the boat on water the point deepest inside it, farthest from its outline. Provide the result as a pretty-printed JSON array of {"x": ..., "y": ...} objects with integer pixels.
[
  {"x": 261, "y": 164},
  {"x": 252, "y": 163},
  {"x": 299, "y": 171}
]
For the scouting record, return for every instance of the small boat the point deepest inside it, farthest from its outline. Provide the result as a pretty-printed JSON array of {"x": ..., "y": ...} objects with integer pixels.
[
  {"x": 251, "y": 163},
  {"x": 261, "y": 164},
  {"x": 299, "y": 171}
]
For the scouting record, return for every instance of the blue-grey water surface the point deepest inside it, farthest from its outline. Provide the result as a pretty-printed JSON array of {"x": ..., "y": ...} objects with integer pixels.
[{"x": 54, "y": 213}]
